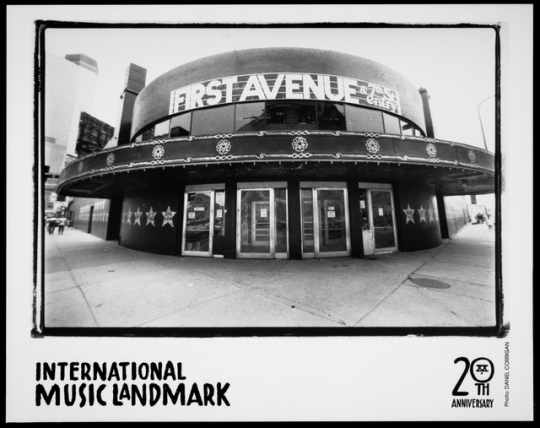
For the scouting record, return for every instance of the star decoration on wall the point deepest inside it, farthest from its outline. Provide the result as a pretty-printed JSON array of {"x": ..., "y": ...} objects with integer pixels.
[
  {"x": 409, "y": 213},
  {"x": 123, "y": 216},
  {"x": 128, "y": 216},
  {"x": 422, "y": 213},
  {"x": 431, "y": 214},
  {"x": 138, "y": 215},
  {"x": 150, "y": 217},
  {"x": 168, "y": 217}
]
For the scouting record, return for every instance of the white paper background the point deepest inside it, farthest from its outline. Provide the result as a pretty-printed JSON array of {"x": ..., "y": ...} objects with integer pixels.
[{"x": 353, "y": 378}]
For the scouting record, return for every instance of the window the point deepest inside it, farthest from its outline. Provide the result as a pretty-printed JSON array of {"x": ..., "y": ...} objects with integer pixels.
[
  {"x": 279, "y": 115},
  {"x": 363, "y": 119},
  {"x": 161, "y": 130},
  {"x": 331, "y": 116},
  {"x": 148, "y": 134},
  {"x": 181, "y": 125},
  {"x": 213, "y": 120},
  {"x": 406, "y": 128},
  {"x": 291, "y": 115},
  {"x": 409, "y": 129},
  {"x": 250, "y": 117},
  {"x": 391, "y": 124}
]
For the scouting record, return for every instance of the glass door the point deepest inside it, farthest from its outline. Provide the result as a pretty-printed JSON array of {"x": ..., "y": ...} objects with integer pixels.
[
  {"x": 368, "y": 238},
  {"x": 325, "y": 222},
  {"x": 382, "y": 215},
  {"x": 262, "y": 223},
  {"x": 204, "y": 221},
  {"x": 198, "y": 223}
]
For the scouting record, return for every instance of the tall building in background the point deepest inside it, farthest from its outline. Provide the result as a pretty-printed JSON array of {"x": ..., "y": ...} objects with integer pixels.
[
  {"x": 93, "y": 135},
  {"x": 70, "y": 84},
  {"x": 70, "y": 129}
]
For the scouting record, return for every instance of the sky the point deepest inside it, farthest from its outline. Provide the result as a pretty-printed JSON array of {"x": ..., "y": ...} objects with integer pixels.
[{"x": 455, "y": 65}]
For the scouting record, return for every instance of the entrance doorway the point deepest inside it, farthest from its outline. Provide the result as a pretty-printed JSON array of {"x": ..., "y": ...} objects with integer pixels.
[
  {"x": 378, "y": 218},
  {"x": 325, "y": 220},
  {"x": 261, "y": 228},
  {"x": 204, "y": 221}
]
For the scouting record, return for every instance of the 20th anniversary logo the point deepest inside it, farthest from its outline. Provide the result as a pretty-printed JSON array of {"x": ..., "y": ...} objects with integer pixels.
[
  {"x": 475, "y": 379},
  {"x": 481, "y": 370}
]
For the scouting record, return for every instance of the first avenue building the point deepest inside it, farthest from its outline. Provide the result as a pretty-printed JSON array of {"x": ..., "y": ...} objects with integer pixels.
[{"x": 276, "y": 153}]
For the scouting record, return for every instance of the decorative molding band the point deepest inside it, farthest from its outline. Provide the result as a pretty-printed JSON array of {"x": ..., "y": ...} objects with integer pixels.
[{"x": 370, "y": 149}]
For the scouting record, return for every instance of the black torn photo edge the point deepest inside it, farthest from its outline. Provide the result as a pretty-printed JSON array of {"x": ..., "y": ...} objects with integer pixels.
[{"x": 40, "y": 330}]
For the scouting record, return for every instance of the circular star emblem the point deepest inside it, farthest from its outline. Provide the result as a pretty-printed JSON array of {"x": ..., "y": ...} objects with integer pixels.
[
  {"x": 372, "y": 145},
  {"x": 482, "y": 370},
  {"x": 158, "y": 152},
  {"x": 223, "y": 147},
  {"x": 472, "y": 156},
  {"x": 299, "y": 144},
  {"x": 431, "y": 150},
  {"x": 110, "y": 159}
]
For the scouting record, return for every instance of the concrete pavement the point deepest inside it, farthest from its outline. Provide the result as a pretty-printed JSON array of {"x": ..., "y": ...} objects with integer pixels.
[{"x": 89, "y": 282}]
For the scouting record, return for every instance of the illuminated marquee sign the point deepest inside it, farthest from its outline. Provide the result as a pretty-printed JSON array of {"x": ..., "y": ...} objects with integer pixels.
[{"x": 280, "y": 86}]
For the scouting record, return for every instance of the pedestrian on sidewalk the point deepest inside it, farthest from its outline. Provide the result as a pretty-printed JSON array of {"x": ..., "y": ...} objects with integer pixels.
[
  {"x": 61, "y": 224},
  {"x": 52, "y": 225},
  {"x": 489, "y": 222}
]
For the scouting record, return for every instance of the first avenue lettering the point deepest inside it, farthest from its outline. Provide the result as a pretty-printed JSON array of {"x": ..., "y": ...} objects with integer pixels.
[{"x": 290, "y": 86}]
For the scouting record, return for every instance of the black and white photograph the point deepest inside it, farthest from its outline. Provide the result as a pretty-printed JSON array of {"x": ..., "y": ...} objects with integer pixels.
[
  {"x": 272, "y": 208},
  {"x": 270, "y": 177}
]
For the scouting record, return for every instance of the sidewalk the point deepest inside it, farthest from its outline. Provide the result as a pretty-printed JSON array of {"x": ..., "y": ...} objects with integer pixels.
[{"x": 94, "y": 283}]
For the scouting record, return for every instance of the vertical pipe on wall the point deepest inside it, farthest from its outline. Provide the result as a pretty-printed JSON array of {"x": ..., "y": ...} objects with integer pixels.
[
  {"x": 134, "y": 83},
  {"x": 430, "y": 129},
  {"x": 90, "y": 219}
]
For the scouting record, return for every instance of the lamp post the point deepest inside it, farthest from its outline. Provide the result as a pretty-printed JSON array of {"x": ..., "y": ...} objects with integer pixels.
[{"x": 480, "y": 118}]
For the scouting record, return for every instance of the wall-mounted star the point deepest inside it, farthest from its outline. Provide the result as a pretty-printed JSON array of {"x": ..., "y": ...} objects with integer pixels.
[
  {"x": 431, "y": 214},
  {"x": 128, "y": 215},
  {"x": 409, "y": 213},
  {"x": 422, "y": 213},
  {"x": 138, "y": 215},
  {"x": 150, "y": 217},
  {"x": 168, "y": 217}
]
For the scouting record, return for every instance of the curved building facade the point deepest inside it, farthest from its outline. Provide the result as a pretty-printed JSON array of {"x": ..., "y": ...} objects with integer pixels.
[{"x": 280, "y": 153}]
